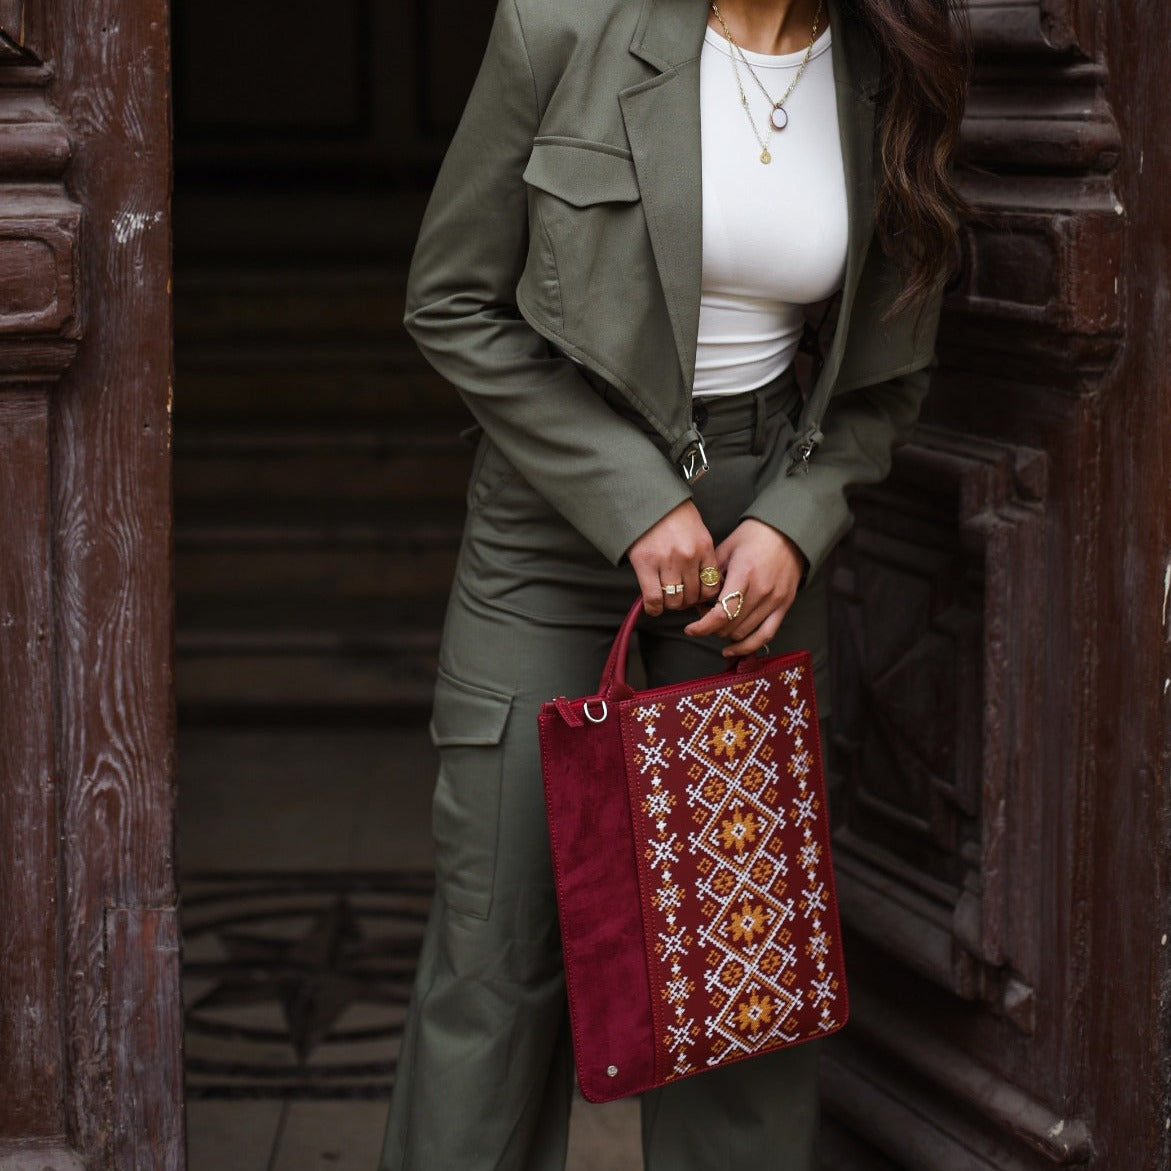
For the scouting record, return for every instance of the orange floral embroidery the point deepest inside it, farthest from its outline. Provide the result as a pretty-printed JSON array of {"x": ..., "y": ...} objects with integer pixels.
[
  {"x": 754, "y": 1012},
  {"x": 729, "y": 738},
  {"x": 754, "y": 778},
  {"x": 747, "y": 922},
  {"x": 732, "y": 973},
  {"x": 739, "y": 831}
]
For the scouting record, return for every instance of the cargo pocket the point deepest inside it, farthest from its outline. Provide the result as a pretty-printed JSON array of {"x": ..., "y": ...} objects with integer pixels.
[{"x": 467, "y": 726}]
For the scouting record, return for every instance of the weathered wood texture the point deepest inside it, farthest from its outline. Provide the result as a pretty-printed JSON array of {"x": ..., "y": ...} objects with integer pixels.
[
  {"x": 112, "y": 568},
  {"x": 1001, "y": 630},
  {"x": 85, "y": 608},
  {"x": 30, "y": 1028},
  {"x": 1128, "y": 838},
  {"x": 146, "y": 1078},
  {"x": 12, "y": 30},
  {"x": 38, "y": 330}
]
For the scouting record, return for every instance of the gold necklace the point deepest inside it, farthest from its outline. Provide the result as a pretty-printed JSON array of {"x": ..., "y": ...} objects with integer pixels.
[{"x": 778, "y": 117}]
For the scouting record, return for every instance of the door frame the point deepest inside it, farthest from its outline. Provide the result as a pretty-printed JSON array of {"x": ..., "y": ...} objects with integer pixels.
[{"x": 91, "y": 1047}]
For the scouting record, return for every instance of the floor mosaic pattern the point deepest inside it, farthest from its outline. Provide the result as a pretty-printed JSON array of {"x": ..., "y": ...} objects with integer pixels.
[{"x": 296, "y": 984}]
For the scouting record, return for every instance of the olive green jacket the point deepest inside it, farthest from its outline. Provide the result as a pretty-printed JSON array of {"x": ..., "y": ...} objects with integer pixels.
[{"x": 562, "y": 246}]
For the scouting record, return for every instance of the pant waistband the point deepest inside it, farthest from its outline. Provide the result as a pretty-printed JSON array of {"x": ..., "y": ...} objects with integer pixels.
[
  {"x": 725, "y": 413},
  {"x": 728, "y": 413}
]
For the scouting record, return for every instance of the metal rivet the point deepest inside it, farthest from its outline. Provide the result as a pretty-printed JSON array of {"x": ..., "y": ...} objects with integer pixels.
[{"x": 611, "y": 1071}]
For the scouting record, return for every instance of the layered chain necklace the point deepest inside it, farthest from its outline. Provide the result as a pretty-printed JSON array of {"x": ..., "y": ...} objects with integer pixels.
[{"x": 778, "y": 117}]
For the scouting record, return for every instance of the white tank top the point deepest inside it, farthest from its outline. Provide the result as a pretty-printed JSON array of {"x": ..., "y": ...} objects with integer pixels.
[{"x": 774, "y": 236}]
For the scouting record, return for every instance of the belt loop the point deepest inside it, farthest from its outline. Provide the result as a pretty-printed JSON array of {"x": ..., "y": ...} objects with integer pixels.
[{"x": 758, "y": 421}]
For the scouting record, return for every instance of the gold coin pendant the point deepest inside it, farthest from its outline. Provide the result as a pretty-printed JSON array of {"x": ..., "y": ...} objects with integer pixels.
[{"x": 765, "y": 157}]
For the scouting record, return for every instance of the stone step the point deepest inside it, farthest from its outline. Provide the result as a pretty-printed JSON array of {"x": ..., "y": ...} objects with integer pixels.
[
  {"x": 232, "y": 225},
  {"x": 294, "y": 464},
  {"x": 319, "y": 522},
  {"x": 318, "y": 385},
  {"x": 318, "y": 547},
  {"x": 251, "y": 654},
  {"x": 345, "y": 304},
  {"x": 345, "y": 560},
  {"x": 319, "y": 484}
]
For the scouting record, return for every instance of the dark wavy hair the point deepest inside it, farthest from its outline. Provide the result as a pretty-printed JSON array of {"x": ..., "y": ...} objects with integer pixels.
[{"x": 926, "y": 51}]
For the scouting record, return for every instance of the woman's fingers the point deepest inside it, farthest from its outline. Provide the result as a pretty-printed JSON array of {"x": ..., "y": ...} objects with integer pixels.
[
  {"x": 668, "y": 557},
  {"x": 751, "y": 638},
  {"x": 747, "y": 620},
  {"x": 683, "y": 587},
  {"x": 651, "y": 590},
  {"x": 673, "y": 583},
  {"x": 707, "y": 566},
  {"x": 762, "y": 573},
  {"x": 719, "y": 619},
  {"x": 711, "y": 579}
]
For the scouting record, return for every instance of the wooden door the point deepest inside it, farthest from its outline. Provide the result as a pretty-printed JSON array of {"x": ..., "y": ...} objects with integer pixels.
[
  {"x": 1001, "y": 612},
  {"x": 90, "y": 1071}
]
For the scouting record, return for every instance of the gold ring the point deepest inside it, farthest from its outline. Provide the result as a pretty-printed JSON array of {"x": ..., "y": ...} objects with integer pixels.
[
  {"x": 709, "y": 575},
  {"x": 732, "y": 614},
  {"x": 672, "y": 590}
]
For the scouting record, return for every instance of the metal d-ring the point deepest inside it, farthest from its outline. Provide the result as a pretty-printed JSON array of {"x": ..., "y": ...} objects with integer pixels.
[{"x": 585, "y": 708}]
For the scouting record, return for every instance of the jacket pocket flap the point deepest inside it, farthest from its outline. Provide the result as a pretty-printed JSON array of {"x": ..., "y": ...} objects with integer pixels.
[
  {"x": 467, "y": 714},
  {"x": 581, "y": 175}
]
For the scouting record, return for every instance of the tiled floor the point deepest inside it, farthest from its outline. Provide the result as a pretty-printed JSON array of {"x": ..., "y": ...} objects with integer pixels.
[{"x": 305, "y": 853}]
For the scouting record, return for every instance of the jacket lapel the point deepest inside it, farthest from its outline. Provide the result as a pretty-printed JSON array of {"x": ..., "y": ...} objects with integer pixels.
[
  {"x": 856, "y": 73},
  {"x": 662, "y": 126},
  {"x": 662, "y": 122}
]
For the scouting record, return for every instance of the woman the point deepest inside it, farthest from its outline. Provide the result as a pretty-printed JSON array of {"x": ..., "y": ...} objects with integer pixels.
[{"x": 640, "y": 202}]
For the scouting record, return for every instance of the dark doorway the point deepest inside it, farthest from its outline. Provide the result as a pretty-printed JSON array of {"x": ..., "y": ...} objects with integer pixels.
[{"x": 319, "y": 481}]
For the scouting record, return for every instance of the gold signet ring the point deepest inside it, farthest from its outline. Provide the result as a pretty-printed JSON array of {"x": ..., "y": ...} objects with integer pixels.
[
  {"x": 732, "y": 614},
  {"x": 709, "y": 575}
]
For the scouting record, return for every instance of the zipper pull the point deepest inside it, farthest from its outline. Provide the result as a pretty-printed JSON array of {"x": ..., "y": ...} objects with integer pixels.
[
  {"x": 804, "y": 447},
  {"x": 689, "y": 454},
  {"x": 694, "y": 462}
]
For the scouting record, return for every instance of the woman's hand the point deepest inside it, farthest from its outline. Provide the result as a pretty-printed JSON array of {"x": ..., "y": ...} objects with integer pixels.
[
  {"x": 765, "y": 567},
  {"x": 672, "y": 552}
]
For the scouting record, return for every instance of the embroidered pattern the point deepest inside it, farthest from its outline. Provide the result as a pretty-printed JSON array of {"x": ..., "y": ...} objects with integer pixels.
[{"x": 733, "y": 860}]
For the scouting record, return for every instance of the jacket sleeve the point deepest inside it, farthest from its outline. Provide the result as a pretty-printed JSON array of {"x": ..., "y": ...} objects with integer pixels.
[
  {"x": 860, "y": 430},
  {"x": 596, "y": 468}
]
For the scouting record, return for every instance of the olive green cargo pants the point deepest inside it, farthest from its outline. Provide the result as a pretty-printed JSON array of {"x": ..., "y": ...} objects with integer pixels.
[{"x": 485, "y": 1074}]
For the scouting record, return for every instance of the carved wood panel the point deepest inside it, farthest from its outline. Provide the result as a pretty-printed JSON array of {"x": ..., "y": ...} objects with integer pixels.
[
  {"x": 12, "y": 31},
  {"x": 39, "y": 226},
  {"x": 30, "y": 1038},
  {"x": 986, "y": 621},
  {"x": 934, "y": 600}
]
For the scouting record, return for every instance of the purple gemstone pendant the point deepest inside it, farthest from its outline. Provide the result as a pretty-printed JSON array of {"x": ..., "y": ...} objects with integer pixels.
[{"x": 779, "y": 118}]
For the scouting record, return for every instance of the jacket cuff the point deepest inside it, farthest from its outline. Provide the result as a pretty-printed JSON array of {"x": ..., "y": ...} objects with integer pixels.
[
  {"x": 635, "y": 511},
  {"x": 812, "y": 513}
]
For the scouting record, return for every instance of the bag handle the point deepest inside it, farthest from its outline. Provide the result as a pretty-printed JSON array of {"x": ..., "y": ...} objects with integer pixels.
[
  {"x": 613, "y": 684},
  {"x": 614, "y": 672}
]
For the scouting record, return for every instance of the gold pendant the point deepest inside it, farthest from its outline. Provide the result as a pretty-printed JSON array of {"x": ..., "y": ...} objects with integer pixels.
[{"x": 765, "y": 157}]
